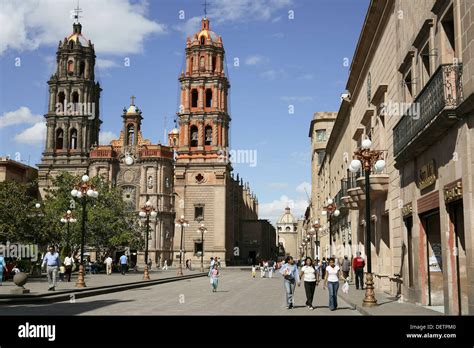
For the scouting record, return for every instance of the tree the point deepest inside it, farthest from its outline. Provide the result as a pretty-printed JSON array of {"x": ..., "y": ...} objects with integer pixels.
[{"x": 108, "y": 225}]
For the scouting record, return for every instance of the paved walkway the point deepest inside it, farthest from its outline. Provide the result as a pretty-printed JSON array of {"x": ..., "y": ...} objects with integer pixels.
[
  {"x": 40, "y": 285},
  {"x": 387, "y": 305},
  {"x": 238, "y": 294}
]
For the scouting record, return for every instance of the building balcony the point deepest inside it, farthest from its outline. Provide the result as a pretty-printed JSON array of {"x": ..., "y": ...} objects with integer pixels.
[
  {"x": 378, "y": 185},
  {"x": 432, "y": 112}
]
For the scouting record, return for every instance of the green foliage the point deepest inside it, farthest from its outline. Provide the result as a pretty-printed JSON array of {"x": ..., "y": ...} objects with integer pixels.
[{"x": 108, "y": 225}]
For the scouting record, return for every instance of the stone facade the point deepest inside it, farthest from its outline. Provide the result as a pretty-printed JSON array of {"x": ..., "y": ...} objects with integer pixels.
[
  {"x": 411, "y": 92},
  {"x": 206, "y": 191},
  {"x": 11, "y": 170}
]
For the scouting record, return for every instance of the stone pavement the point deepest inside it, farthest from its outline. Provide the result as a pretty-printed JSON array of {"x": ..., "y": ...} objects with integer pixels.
[
  {"x": 386, "y": 304},
  {"x": 39, "y": 286},
  {"x": 238, "y": 294}
]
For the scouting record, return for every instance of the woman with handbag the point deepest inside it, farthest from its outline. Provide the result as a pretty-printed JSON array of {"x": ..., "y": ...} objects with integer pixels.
[
  {"x": 290, "y": 274},
  {"x": 214, "y": 274}
]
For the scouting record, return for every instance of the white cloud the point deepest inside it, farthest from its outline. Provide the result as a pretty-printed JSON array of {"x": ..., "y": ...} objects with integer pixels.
[
  {"x": 118, "y": 29},
  {"x": 236, "y": 11},
  {"x": 273, "y": 210},
  {"x": 300, "y": 99},
  {"x": 272, "y": 74},
  {"x": 106, "y": 63},
  {"x": 276, "y": 19},
  {"x": 22, "y": 115},
  {"x": 304, "y": 187},
  {"x": 34, "y": 135},
  {"x": 106, "y": 137},
  {"x": 254, "y": 59}
]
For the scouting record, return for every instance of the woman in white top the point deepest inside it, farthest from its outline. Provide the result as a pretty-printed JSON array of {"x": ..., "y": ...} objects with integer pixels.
[
  {"x": 332, "y": 282},
  {"x": 310, "y": 276}
]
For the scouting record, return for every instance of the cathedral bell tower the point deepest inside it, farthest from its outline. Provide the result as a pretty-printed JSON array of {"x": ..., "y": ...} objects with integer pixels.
[
  {"x": 72, "y": 118},
  {"x": 202, "y": 169}
]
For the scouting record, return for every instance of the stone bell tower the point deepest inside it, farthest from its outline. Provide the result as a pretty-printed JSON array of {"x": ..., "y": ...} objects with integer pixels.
[
  {"x": 202, "y": 169},
  {"x": 72, "y": 118}
]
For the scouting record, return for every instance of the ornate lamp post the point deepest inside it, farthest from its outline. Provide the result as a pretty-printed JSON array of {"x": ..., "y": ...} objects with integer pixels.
[
  {"x": 201, "y": 229},
  {"x": 329, "y": 210},
  {"x": 368, "y": 160},
  {"x": 181, "y": 222},
  {"x": 67, "y": 219},
  {"x": 147, "y": 211},
  {"x": 81, "y": 191},
  {"x": 316, "y": 229}
]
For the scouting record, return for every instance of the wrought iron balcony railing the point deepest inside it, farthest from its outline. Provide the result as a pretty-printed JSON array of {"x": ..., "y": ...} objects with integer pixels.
[{"x": 442, "y": 92}]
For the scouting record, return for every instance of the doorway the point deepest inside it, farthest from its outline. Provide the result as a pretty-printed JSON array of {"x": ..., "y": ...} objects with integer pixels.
[
  {"x": 456, "y": 220},
  {"x": 431, "y": 225}
]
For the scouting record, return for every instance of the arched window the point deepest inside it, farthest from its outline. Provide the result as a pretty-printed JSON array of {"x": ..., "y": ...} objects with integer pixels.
[
  {"x": 75, "y": 97},
  {"x": 130, "y": 134},
  {"x": 71, "y": 44},
  {"x": 70, "y": 67},
  {"x": 208, "y": 135},
  {"x": 174, "y": 141},
  {"x": 194, "y": 136},
  {"x": 59, "y": 139},
  {"x": 82, "y": 68},
  {"x": 61, "y": 98},
  {"x": 202, "y": 40},
  {"x": 214, "y": 63},
  {"x": 194, "y": 98},
  {"x": 73, "y": 139},
  {"x": 288, "y": 229},
  {"x": 202, "y": 64},
  {"x": 208, "y": 98}
]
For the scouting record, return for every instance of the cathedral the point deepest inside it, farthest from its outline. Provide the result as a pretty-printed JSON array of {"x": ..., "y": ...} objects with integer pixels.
[{"x": 191, "y": 177}]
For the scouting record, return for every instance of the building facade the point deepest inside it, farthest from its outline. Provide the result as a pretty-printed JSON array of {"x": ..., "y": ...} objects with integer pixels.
[
  {"x": 411, "y": 90},
  {"x": 206, "y": 191},
  {"x": 11, "y": 170}
]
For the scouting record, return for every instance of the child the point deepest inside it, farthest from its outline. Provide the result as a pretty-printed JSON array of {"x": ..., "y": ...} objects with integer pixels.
[
  {"x": 62, "y": 271},
  {"x": 254, "y": 271}
]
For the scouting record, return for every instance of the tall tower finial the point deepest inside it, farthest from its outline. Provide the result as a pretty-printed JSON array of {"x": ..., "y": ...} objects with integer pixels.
[
  {"x": 76, "y": 13},
  {"x": 132, "y": 100},
  {"x": 205, "y": 8}
]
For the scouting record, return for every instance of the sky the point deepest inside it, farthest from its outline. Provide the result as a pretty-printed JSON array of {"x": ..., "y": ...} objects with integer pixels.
[{"x": 286, "y": 59}]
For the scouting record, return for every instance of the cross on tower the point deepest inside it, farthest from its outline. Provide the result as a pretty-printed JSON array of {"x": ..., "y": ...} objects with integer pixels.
[
  {"x": 205, "y": 8},
  {"x": 77, "y": 12},
  {"x": 132, "y": 99}
]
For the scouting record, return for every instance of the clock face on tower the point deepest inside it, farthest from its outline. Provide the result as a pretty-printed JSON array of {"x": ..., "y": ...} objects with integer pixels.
[{"x": 129, "y": 197}]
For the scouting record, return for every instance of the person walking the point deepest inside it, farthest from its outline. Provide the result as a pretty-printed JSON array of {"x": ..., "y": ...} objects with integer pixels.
[
  {"x": 290, "y": 274},
  {"x": 2, "y": 266},
  {"x": 123, "y": 263},
  {"x": 62, "y": 271},
  {"x": 108, "y": 265},
  {"x": 68, "y": 263},
  {"x": 51, "y": 262},
  {"x": 214, "y": 274},
  {"x": 332, "y": 283},
  {"x": 309, "y": 275},
  {"x": 358, "y": 265},
  {"x": 165, "y": 265},
  {"x": 271, "y": 268},
  {"x": 254, "y": 271},
  {"x": 323, "y": 266},
  {"x": 346, "y": 267}
]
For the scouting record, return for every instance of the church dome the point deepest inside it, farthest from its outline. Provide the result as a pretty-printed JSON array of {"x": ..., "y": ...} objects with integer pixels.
[
  {"x": 174, "y": 131},
  {"x": 207, "y": 33},
  {"x": 132, "y": 110},
  {"x": 77, "y": 36},
  {"x": 287, "y": 217}
]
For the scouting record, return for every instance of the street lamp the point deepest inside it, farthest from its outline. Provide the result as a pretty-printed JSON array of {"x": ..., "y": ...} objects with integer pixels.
[
  {"x": 181, "y": 222},
  {"x": 368, "y": 160},
  {"x": 67, "y": 219},
  {"x": 316, "y": 228},
  {"x": 329, "y": 210},
  {"x": 147, "y": 211},
  {"x": 81, "y": 191},
  {"x": 201, "y": 229}
]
